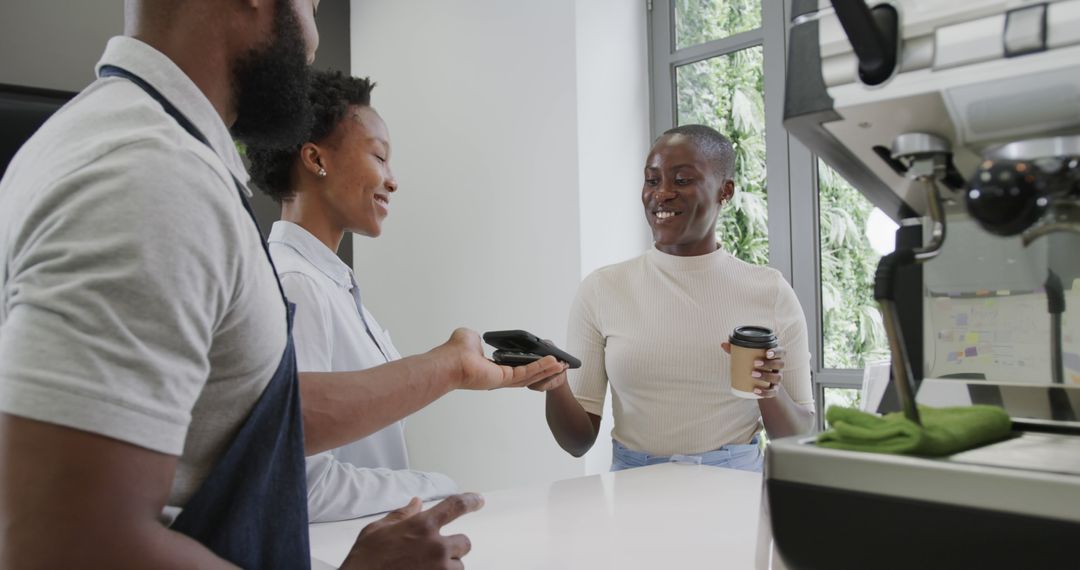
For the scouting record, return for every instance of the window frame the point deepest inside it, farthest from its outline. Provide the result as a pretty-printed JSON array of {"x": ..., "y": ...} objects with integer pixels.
[{"x": 794, "y": 240}]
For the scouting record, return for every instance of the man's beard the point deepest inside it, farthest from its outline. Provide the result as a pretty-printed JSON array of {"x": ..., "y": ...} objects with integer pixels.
[{"x": 270, "y": 87}]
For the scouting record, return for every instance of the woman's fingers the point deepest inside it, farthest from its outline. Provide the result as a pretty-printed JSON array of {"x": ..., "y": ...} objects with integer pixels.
[
  {"x": 765, "y": 384},
  {"x": 768, "y": 377},
  {"x": 769, "y": 365},
  {"x": 766, "y": 393},
  {"x": 549, "y": 383},
  {"x": 775, "y": 353}
]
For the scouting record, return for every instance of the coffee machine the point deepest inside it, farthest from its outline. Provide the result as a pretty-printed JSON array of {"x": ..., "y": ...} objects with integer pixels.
[{"x": 964, "y": 115}]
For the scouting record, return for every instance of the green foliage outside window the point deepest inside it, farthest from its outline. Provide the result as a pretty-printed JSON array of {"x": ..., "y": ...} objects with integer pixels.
[
  {"x": 700, "y": 21},
  {"x": 843, "y": 397},
  {"x": 727, "y": 93},
  {"x": 852, "y": 327}
]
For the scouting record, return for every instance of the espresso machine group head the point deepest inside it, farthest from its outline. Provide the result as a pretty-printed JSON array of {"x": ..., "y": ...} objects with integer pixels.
[{"x": 1030, "y": 187}]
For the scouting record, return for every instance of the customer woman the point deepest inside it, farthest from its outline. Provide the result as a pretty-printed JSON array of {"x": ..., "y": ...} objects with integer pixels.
[{"x": 654, "y": 329}]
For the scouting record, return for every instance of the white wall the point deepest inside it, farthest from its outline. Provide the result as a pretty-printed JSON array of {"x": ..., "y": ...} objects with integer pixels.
[
  {"x": 613, "y": 139},
  {"x": 613, "y": 129},
  {"x": 55, "y": 43},
  {"x": 494, "y": 221}
]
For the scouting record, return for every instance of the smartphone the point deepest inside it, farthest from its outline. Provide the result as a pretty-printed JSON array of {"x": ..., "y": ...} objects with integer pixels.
[
  {"x": 525, "y": 342},
  {"x": 514, "y": 357}
]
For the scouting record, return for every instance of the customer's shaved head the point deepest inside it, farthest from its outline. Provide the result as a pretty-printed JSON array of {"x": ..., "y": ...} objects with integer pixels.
[{"x": 716, "y": 147}]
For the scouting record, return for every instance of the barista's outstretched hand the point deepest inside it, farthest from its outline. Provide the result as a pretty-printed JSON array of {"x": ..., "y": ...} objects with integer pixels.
[
  {"x": 410, "y": 538},
  {"x": 479, "y": 373}
]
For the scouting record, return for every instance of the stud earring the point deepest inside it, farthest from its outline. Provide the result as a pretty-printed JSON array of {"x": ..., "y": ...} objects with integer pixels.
[{"x": 322, "y": 172}]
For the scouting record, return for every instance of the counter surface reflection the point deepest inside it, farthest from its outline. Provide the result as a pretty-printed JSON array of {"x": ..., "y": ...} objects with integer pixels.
[{"x": 661, "y": 516}]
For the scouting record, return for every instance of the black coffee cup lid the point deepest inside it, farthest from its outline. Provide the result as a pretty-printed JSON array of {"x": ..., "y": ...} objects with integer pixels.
[{"x": 753, "y": 337}]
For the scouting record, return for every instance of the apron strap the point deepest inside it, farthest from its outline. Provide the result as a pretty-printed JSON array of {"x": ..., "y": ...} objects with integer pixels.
[
  {"x": 251, "y": 509},
  {"x": 187, "y": 125}
]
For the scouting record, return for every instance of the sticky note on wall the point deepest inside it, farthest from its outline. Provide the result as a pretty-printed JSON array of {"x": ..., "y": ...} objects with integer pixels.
[{"x": 1072, "y": 361}]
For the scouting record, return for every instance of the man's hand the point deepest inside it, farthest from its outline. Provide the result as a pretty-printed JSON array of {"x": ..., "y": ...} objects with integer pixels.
[
  {"x": 479, "y": 373},
  {"x": 410, "y": 538}
]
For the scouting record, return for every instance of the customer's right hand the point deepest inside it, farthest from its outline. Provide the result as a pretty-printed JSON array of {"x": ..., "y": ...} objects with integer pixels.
[
  {"x": 410, "y": 537},
  {"x": 549, "y": 384}
]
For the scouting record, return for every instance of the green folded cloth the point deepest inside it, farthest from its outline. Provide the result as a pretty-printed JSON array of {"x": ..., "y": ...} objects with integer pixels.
[{"x": 944, "y": 431}]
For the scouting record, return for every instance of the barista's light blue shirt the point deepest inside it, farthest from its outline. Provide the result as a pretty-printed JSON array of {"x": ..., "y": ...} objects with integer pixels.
[{"x": 370, "y": 475}]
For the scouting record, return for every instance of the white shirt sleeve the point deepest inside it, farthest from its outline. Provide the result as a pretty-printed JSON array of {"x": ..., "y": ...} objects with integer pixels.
[
  {"x": 586, "y": 341},
  {"x": 339, "y": 491},
  {"x": 791, "y": 330},
  {"x": 313, "y": 337}
]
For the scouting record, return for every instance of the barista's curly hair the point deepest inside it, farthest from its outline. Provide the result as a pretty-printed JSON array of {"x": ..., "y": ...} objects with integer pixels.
[{"x": 332, "y": 92}]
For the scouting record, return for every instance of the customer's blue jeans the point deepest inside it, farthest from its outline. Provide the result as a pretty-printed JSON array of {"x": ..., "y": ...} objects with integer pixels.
[{"x": 747, "y": 457}]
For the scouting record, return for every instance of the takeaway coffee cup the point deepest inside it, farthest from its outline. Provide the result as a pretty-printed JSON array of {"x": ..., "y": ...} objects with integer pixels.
[{"x": 748, "y": 343}]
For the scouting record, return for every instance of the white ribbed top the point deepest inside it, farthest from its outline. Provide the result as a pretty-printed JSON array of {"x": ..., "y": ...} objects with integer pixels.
[{"x": 652, "y": 328}]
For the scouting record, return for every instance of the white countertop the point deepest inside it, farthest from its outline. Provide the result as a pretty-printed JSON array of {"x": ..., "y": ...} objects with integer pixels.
[{"x": 662, "y": 516}]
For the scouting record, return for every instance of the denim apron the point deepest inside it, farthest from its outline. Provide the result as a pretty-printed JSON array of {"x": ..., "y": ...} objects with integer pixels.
[
  {"x": 252, "y": 508},
  {"x": 745, "y": 457}
]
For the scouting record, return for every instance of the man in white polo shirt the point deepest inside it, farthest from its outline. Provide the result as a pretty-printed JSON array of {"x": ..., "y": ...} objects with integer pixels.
[{"x": 150, "y": 410}]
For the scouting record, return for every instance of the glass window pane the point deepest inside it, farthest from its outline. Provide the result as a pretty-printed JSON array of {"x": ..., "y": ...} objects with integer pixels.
[
  {"x": 727, "y": 93},
  {"x": 700, "y": 21},
  {"x": 854, "y": 236},
  {"x": 843, "y": 397}
]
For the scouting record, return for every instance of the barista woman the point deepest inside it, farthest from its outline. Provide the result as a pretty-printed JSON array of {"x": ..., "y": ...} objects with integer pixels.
[{"x": 339, "y": 181}]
